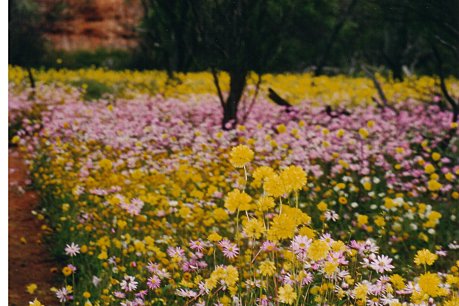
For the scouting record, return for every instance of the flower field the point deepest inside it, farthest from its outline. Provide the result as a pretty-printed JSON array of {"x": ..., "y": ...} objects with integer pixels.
[{"x": 149, "y": 202}]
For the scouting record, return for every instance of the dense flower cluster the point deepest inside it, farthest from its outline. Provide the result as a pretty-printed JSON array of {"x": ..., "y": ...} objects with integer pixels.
[
  {"x": 324, "y": 90},
  {"x": 153, "y": 204}
]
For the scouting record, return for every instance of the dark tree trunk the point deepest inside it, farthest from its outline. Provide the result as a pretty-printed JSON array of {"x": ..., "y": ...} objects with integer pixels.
[
  {"x": 237, "y": 85},
  {"x": 31, "y": 78}
]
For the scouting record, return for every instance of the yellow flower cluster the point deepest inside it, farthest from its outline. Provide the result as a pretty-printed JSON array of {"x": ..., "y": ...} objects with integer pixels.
[{"x": 336, "y": 91}]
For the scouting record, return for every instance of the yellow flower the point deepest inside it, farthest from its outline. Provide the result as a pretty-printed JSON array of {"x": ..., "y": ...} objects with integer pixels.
[
  {"x": 425, "y": 257},
  {"x": 330, "y": 268},
  {"x": 105, "y": 164},
  {"x": 449, "y": 176},
  {"x": 397, "y": 281},
  {"x": 362, "y": 220},
  {"x": 36, "y": 303},
  {"x": 367, "y": 185},
  {"x": 454, "y": 301},
  {"x": 274, "y": 186},
  {"x": 260, "y": 174},
  {"x": 436, "y": 156},
  {"x": 363, "y": 133},
  {"x": 281, "y": 128},
  {"x": 287, "y": 295},
  {"x": 322, "y": 206},
  {"x": 220, "y": 214},
  {"x": 282, "y": 227},
  {"x": 318, "y": 250},
  {"x": 253, "y": 228},
  {"x": 31, "y": 288},
  {"x": 294, "y": 178},
  {"x": 265, "y": 203},
  {"x": 15, "y": 139},
  {"x": 361, "y": 291},
  {"x": 214, "y": 237},
  {"x": 429, "y": 169},
  {"x": 267, "y": 268},
  {"x": 66, "y": 271},
  {"x": 231, "y": 276},
  {"x": 237, "y": 200},
  {"x": 429, "y": 284},
  {"x": 342, "y": 200},
  {"x": 241, "y": 156},
  {"x": 433, "y": 185}
]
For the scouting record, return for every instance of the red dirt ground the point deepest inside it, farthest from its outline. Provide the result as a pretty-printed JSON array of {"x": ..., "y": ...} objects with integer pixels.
[{"x": 28, "y": 258}]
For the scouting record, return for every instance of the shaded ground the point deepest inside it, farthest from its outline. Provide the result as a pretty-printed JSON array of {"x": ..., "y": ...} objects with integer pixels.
[{"x": 28, "y": 259}]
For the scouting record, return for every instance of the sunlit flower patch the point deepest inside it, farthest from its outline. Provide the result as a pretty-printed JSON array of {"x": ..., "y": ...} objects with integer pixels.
[{"x": 150, "y": 203}]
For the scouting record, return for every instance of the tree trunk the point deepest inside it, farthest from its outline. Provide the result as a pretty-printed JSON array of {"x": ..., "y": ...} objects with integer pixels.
[{"x": 237, "y": 85}]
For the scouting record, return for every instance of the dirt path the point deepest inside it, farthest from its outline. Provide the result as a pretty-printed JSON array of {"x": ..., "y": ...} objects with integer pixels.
[{"x": 28, "y": 259}]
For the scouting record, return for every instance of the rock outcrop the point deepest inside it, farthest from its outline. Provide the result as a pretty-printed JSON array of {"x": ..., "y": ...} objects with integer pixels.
[{"x": 91, "y": 24}]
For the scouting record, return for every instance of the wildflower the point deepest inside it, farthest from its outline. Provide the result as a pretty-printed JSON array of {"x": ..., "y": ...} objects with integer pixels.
[
  {"x": 95, "y": 280},
  {"x": 331, "y": 215},
  {"x": 265, "y": 203},
  {"x": 237, "y": 200},
  {"x": 214, "y": 237},
  {"x": 397, "y": 281},
  {"x": 274, "y": 186},
  {"x": 429, "y": 283},
  {"x": 268, "y": 246},
  {"x": 72, "y": 249},
  {"x": 318, "y": 250},
  {"x": 429, "y": 169},
  {"x": 293, "y": 178},
  {"x": 330, "y": 268},
  {"x": 197, "y": 245},
  {"x": 67, "y": 271},
  {"x": 253, "y": 228},
  {"x": 300, "y": 244},
  {"x": 241, "y": 156},
  {"x": 425, "y": 257},
  {"x": 434, "y": 185},
  {"x": 119, "y": 294},
  {"x": 63, "y": 294},
  {"x": 381, "y": 264},
  {"x": 230, "y": 250},
  {"x": 129, "y": 283},
  {"x": 363, "y": 133},
  {"x": 187, "y": 293},
  {"x": 267, "y": 268},
  {"x": 153, "y": 282},
  {"x": 260, "y": 174},
  {"x": 31, "y": 288},
  {"x": 282, "y": 227},
  {"x": 361, "y": 291},
  {"x": 35, "y": 302},
  {"x": 322, "y": 206},
  {"x": 287, "y": 294}
]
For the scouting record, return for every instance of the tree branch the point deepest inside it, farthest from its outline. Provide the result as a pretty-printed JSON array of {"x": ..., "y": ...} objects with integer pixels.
[
  {"x": 278, "y": 99},
  {"x": 254, "y": 98},
  {"x": 454, "y": 104},
  {"x": 217, "y": 85}
]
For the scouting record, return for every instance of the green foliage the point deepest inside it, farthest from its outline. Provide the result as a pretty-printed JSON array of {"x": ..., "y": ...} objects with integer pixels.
[
  {"x": 92, "y": 89},
  {"x": 26, "y": 45},
  {"x": 100, "y": 58}
]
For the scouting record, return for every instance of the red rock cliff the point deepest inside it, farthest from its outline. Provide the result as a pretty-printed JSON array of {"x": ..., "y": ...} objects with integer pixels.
[{"x": 91, "y": 24}]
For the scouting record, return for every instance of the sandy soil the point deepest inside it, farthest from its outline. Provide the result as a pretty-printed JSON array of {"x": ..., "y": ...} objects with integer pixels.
[{"x": 28, "y": 258}]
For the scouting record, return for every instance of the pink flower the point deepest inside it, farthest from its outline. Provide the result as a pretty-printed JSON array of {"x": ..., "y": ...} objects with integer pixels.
[
  {"x": 381, "y": 264},
  {"x": 129, "y": 283},
  {"x": 230, "y": 250},
  {"x": 153, "y": 282},
  {"x": 72, "y": 249}
]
